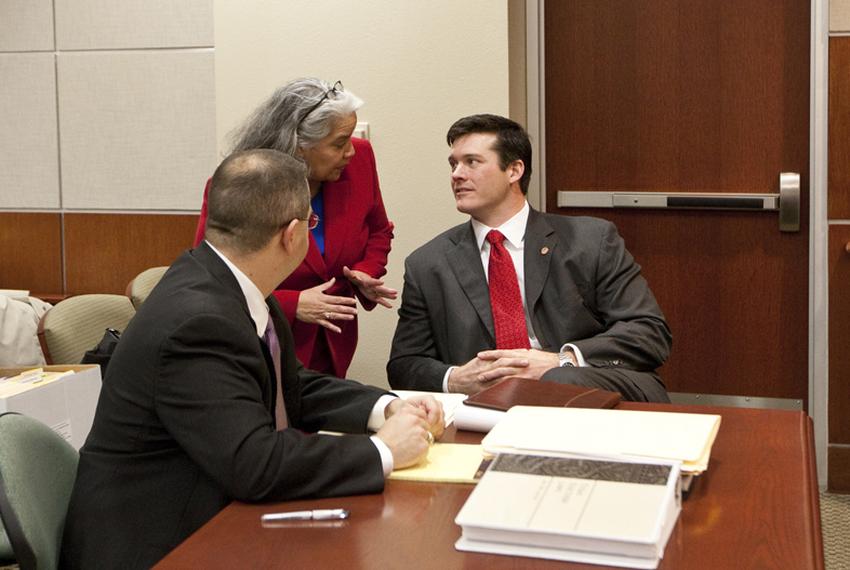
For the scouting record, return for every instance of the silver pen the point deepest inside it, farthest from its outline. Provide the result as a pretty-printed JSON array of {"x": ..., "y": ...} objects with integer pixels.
[{"x": 313, "y": 515}]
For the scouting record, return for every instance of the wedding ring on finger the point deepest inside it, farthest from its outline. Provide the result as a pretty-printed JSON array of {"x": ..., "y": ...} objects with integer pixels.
[
  {"x": 430, "y": 437},
  {"x": 327, "y": 316}
]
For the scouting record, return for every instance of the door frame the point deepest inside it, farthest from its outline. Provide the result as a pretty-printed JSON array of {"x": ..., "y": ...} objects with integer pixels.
[{"x": 818, "y": 368}]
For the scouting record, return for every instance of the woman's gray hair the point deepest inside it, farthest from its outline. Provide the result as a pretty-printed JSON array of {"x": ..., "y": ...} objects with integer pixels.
[{"x": 297, "y": 115}]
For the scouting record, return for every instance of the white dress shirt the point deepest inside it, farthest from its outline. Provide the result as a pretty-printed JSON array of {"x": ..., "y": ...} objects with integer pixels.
[
  {"x": 514, "y": 232},
  {"x": 259, "y": 311}
]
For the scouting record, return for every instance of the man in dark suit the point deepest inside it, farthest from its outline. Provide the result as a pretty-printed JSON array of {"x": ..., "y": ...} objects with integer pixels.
[
  {"x": 191, "y": 414},
  {"x": 515, "y": 292}
]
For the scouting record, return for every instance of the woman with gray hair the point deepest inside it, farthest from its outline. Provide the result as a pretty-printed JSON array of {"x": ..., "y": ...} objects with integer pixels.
[{"x": 349, "y": 231}]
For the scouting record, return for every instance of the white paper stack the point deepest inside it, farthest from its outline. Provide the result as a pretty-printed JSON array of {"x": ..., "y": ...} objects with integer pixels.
[
  {"x": 618, "y": 434},
  {"x": 578, "y": 509},
  {"x": 474, "y": 418}
]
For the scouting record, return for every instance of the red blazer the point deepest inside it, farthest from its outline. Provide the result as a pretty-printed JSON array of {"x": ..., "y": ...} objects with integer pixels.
[{"x": 357, "y": 235}]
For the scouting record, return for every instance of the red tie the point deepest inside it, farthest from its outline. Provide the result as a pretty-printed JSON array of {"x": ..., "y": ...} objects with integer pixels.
[{"x": 505, "y": 299}]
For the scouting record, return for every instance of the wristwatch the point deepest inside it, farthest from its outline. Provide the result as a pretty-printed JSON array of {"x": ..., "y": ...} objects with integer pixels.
[{"x": 565, "y": 356}]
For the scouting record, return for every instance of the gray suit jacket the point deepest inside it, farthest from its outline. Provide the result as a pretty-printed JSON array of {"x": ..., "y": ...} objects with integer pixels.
[{"x": 581, "y": 286}]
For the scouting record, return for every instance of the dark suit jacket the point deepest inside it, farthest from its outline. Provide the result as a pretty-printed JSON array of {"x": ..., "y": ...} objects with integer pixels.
[
  {"x": 357, "y": 235},
  {"x": 185, "y": 424},
  {"x": 581, "y": 286}
]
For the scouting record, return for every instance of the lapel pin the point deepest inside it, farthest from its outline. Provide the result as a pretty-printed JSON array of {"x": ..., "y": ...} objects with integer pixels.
[{"x": 544, "y": 250}]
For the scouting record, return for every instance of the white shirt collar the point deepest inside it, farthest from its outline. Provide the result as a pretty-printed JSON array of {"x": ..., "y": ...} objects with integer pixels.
[
  {"x": 256, "y": 303},
  {"x": 513, "y": 229}
]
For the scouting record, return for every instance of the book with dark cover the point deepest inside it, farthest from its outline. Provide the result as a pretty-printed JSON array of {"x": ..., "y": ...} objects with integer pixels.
[{"x": 523, "y": 392}]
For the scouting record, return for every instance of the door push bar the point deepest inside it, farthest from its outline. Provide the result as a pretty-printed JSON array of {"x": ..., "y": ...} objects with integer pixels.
[{"x": 786, "y": 202}]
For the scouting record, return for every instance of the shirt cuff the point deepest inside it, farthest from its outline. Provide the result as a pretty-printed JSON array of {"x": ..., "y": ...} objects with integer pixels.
[
  {"x": 385, "y": 453},
  {"x": 446, "y": 378},
  {"x": 579, "y": 357},
  {"x": 378, "y": 415}
]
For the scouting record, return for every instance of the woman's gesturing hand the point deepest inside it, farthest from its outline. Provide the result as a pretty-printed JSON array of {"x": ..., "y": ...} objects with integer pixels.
[
  {"x": 316, "y": 307},
  {"x": 371, "y": 288}
]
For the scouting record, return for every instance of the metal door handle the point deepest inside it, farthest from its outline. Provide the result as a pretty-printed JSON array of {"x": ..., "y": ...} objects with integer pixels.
[
  {"x": 786, "y": 201},
  {"x": 789, "y": 202}
]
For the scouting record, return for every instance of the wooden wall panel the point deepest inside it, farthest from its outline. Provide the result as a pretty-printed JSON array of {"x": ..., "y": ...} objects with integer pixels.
[
  {"x": 31, "y": 252},
  {"x": 839, "y": 128},
  {"x": 839, "y": 334},
  {"x": 103, "y": 252},
  {"x": 838, "y": 458}
]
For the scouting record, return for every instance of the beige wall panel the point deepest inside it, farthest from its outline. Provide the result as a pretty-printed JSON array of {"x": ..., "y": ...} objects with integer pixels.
[
  {"x": 137, "y": 129},
  {"x": 107, "y": 24},
  {"x": 839, "y": 15},
  {"x": 419, "y": 66},
  {"x": 29, "y": 175},
  {"x": 26, "y": 25}
]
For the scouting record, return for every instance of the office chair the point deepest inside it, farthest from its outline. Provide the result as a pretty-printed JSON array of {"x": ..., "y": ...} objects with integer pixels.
[
  {"x": 77, "y": 324},
  {"x": 142, "y": 284},
  {"x": 37, "y": 472}
]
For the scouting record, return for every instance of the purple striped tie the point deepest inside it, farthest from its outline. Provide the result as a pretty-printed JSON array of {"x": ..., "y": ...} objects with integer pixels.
[{"x": 272, "y": 342}]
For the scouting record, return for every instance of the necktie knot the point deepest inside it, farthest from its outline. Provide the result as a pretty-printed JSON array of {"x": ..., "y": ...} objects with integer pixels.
[{"x": 495, "y": 237}]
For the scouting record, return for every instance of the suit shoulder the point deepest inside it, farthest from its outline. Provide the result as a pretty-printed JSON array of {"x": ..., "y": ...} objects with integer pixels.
[
  {"x": 585, "y": 223},
  {"x": 361, "y": 171},
  {"x": 364, "y": 155},
  {"x": 433, "y": 250},
  {"x": 581, "y": 226},
  {"x": 362, "y": 145},
  {"x": 189, "y": 288}
]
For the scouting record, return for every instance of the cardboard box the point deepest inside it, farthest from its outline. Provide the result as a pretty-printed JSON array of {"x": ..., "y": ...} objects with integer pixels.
[{"x": 66, "y": 404}]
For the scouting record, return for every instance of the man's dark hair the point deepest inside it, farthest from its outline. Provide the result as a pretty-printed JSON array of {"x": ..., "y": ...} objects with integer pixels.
[
  {"x": 253, "y": 194},
  {"x": 512, "y": 142}
]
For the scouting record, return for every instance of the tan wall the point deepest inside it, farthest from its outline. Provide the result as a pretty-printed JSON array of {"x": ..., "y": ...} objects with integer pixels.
[
  {"x": 839, "y": 16},
  {"x": 100, "y": 103},
  {"x": 417, "y": 65}
]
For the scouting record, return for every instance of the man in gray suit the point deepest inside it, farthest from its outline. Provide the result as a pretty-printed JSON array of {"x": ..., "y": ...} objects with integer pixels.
[{"x": 519, "y": 293}]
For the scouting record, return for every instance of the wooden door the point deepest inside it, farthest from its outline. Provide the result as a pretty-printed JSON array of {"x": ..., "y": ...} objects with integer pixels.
[{"x": 694, "y": 96}]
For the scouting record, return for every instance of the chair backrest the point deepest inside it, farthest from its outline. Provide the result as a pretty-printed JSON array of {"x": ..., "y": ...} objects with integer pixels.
[
  {"x": 77, "y": 324},
  {"x": 37, "y": 472},
  {"x": 142, "y": 284}
]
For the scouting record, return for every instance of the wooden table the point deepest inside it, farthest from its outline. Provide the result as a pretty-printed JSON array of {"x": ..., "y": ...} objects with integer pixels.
[{"x": 756, "y": 507}]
